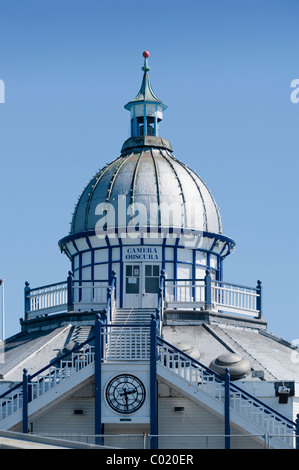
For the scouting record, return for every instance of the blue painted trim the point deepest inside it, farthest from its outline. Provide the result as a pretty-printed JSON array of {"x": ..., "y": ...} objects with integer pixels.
[
  {"x": 297, "y": 431},
  {"x": 208, "y": 290},
  {"x": 98, "y": 378},
  {"x": 70, "y": 299},
  {"x": 259, "y": 298},
  {"x": 219, "y": 237},
  {"x": 213, "y": 245},
  {"x": 163, "y": 254},
  {"x": 26, "y": 299},
  {"x": 153, "y": 385},
  {"x": 25, "y": 402},
  {"x": 75, "y": 246},
  {"x": 194, "y": 272},
  {"x": 88, "y": 243},
  {"x": 144, "y": 121},
  {"x": 208, "y": 260},
  {"x": 121, "y": 279},
  {"x": 227, "y": 409},
  {"x": 92, "y": 264},
  {"x": 80, "y": 277},
  {"x": 156, "y": 122},
  {"x": 109, "y": 262},
  {"x": 134, "y": 123}
]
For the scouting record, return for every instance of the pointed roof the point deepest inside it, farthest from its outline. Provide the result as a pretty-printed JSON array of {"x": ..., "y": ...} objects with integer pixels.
[{"x": 146, "y": 93}]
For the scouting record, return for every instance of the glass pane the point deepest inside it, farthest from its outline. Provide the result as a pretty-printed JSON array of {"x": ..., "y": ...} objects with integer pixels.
[
  {"x": 132, "y": 285},
  {"x": 148, "y": 270},
  {"x": 156, "y": 270},
  {"x": 151, "y": 285},
  {"x": 128, "y": 270}
]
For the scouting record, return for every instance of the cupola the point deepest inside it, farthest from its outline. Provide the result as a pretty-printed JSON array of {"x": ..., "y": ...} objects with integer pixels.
[{"x": 146, "y": 109}]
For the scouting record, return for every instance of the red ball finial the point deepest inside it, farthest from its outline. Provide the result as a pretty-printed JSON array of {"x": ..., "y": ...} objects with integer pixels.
[{"x": 146, "y": 54}]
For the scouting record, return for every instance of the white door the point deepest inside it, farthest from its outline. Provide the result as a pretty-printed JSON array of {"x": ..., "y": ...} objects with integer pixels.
[
  {"x": 141, "y": 285},
  {"x": 151, "y": 281}
]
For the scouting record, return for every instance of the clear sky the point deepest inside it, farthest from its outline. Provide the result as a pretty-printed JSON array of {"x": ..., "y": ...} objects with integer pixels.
[{"x": 224, "y": 67}]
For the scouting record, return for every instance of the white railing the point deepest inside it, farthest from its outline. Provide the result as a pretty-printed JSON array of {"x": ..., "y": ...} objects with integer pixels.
[
  {"x": 170, "y": 441},
  {"x": 55, "y": 375},
  {"x": 185, "y": 292},
  {"x": 126, "y": 342},
  {"x": 64, "y": 296},
  {"x": 11, "y": 404},
  {"x": 89, "y": 294},
  {"x": 42, "y": 382},
  {"x": 47, "y": 299},
  {"x": 235, "y": 298},
  {"x": 242, "y": 403},
  {"x": 210, "y": 294}
]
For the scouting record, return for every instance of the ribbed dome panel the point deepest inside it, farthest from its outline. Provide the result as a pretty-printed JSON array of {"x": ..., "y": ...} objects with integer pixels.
[{"x": 141, "y": 181}]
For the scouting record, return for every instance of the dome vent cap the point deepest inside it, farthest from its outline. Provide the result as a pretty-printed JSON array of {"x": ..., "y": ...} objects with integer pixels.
[
  {"x": 188, "y": 349},
  {"x": 237, "y": 365}
]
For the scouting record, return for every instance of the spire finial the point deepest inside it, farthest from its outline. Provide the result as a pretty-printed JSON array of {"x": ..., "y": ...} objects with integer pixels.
[{"x": 145, "y": 67}]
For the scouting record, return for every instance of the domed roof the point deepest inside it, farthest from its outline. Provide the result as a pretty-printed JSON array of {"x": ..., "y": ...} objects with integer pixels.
[{"x": 152, "y": 187}]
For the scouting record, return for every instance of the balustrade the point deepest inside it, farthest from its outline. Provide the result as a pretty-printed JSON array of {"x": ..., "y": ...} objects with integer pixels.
[
  {"x": 68, "y": 296},
  {"x": 213, "y": 385},
  {"x": 209, "y": 294}
]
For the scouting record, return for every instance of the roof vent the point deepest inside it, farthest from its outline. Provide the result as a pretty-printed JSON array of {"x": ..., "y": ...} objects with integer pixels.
[
  {"x": 188, "y": 349},
  {"x": 237, "y": 365}
]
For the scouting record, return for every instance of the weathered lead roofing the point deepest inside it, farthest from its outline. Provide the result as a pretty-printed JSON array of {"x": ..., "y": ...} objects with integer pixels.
[
  {"x": 142, "y": 177},
  {"x": 264, "y": 352}
]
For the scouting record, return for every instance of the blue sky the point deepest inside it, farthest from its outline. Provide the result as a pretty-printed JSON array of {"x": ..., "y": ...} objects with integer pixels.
[{"x": 224, "y": 68}]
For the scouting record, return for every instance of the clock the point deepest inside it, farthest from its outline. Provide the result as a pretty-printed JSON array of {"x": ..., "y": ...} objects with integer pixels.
[{"x": 125, "y": 393}]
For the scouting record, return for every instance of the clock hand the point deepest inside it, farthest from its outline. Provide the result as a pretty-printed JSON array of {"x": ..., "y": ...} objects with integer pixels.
[{"x": 125, "y": 392}]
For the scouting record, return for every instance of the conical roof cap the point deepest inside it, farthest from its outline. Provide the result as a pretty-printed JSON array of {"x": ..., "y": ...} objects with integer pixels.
[{"x": 146, "y": 92}]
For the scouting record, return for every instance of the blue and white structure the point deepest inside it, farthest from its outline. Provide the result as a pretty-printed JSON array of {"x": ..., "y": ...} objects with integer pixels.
[
  {"x": 145, "y": 344},
  {"x": 144, "y": 212}
]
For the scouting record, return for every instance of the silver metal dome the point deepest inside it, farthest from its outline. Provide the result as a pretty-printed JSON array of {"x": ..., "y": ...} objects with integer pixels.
[
  {"x": 238, "y": 366},
  {"x": 144, "y": 177}
]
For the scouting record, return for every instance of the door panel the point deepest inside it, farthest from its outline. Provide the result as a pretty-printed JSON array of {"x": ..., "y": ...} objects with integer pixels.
[{"x": 141, "y": 285}]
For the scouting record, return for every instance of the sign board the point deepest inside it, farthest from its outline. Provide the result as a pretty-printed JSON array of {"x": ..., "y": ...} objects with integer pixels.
[{"x": 142, "y": 253}]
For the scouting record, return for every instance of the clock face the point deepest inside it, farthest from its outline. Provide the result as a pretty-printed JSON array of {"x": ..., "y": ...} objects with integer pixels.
[{"x": 125, "y": 393}]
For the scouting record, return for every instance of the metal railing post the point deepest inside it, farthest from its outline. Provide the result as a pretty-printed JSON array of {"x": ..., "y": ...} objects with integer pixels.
[
  {"x": 26, "y": 300},
  {"x": 208, "y": 290},
  {"x": 297, "y": 431},
  {"x": 153, "y": 384},
  {"x": 25, "y": 401},
  {"x": 259, "y": 298},
  {"x": 98, "y": 379},
  {"x": 70, "y": 297},
  {"x": 227, "y": 409},
  {"x": 109, "y": 306}
]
